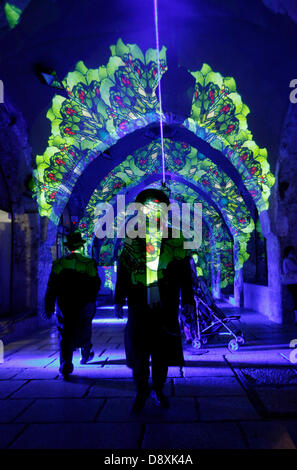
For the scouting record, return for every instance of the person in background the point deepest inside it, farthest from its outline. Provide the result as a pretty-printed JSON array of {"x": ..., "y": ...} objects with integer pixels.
[
  {"x": 74, "y": 284},
  {"x": 152, "y": 273},
  {"x": 290, "y": 273}
]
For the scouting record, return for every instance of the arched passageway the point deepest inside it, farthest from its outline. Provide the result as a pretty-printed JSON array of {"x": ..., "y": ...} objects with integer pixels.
[{"x": 105, "y": 141}]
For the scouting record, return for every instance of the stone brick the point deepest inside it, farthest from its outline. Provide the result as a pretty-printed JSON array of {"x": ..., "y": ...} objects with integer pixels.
[
  {"x": 79, "y": 436},
  {"x": 193, "y": 436},
  {"x": 61, "y": 410}
]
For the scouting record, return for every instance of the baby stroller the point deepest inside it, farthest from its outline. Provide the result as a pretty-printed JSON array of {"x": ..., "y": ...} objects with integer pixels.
[{"x": 208, "y": 320}]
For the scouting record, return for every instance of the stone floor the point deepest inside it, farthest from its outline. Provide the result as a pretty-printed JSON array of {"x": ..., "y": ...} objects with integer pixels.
[{"x": 246, "y": 399}]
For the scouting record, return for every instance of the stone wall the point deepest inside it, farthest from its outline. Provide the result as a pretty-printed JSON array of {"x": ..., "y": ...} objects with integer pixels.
[{"x": 16, "y": 170}]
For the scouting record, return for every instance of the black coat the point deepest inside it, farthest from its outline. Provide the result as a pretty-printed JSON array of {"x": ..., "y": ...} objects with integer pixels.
[
  {"x": 73, "y": 284},
  {"x": 154, "y": 331}
]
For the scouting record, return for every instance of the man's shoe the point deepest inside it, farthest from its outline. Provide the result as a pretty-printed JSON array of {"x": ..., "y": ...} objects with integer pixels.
[
  {"x": 86, "y": 358},
  {"x": 66, "y": 370},
  {"x": 160, "y": 399},
  {"x": 138, "y": 403}
]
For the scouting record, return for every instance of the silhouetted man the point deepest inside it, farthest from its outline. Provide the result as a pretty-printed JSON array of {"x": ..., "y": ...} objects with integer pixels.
[
  {"x": 152, "y": 272},
  {"x": 74, "y": 284}
]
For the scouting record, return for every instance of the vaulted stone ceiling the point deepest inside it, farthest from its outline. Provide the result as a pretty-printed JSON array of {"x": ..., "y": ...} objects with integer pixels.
[{"x": 245, "y": 40}]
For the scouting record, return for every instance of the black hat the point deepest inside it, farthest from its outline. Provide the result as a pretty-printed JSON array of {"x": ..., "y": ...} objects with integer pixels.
[
  {"x": 74, "y": 241},
  {"x": 152, "y": 193}
]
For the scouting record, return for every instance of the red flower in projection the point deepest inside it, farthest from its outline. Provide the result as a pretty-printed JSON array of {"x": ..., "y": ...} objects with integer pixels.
[
  {"x": 116, "y": 185},
  {"x": 196, "y": 95},
  {"x": 82, "y": 96},
  {"x": 83, "y": 225},
  {"x": 123, "y": 125},
  {"x": 242, "y": 221},
  {"x": 69, "y": 131},
  {"x": 205, "y": 182},
  {"x": 52, "y": 177},
  {"x": 97, "y": 92},
  {"x": 126, "y": 81},
  {"x": 243, "y": 157},
  {"x": 137, "y": 70},
  {"x": 154, "y": 73},
  {"x": 184, "y": 145},
  {"x": 150, "y": 248},
  {"x": 119, "y": 100},
  {"x": 59, "y": 161},
  {"x": 253, "y": 170},
  {"x": 211, "y": 96},
  {"x": 225, "y": 109},
  {"x": 230, "y": 128},
  {"x": 70, "y": 111},
  {"x": 143, "y": 161},
  {"x": 53, "y": 195}
]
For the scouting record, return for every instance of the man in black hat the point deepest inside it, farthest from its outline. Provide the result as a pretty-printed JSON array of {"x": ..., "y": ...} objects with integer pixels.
[
  {"x": 73, "y": 284},
  {"x": 152, "y": 273}
]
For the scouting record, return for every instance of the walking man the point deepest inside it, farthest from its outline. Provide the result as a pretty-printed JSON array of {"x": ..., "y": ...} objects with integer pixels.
[
  {"x": 73, "y": 284},
  {"x": 152, "y": 273}
]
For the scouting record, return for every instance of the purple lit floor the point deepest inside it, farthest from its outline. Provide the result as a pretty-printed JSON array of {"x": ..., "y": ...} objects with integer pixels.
[{"x": 247, "y": 399}]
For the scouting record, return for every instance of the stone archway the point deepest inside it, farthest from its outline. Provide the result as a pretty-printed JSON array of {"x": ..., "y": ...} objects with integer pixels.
[{"x": 104, "y": 106}]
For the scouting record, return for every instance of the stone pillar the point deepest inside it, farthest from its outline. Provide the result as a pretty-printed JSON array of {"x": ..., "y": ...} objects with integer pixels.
[{"x": 238, "y": 279}]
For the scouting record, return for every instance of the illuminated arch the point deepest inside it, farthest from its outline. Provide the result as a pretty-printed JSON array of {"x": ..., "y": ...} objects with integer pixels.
[{"x": 105, "y": 104}]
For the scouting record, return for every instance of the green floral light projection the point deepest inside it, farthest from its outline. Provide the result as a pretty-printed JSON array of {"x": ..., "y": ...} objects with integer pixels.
[
  {"x": 183, "y": 161},
  {"x": 218, "y": 109},
  {"x": 215, "y": 236},
  {"x": 104, "y": 104},
  {"x": 12, "y": 12}
]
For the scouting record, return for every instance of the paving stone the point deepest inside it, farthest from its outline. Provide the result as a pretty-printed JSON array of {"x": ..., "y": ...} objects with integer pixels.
[
  {"x": 36, "y": 373},
  {"x": 7, "y": 373},
  {"x": 267, "y": 435},
  {"x": 8, "y": 433},
  {"x": 226, "y": 408},
  {"x": 9, "y": 409},
  {"x": 291, "y": 427},
  {"x": 207, "y": 386},
  {"x": 116, "y": 371},
  {"x": 256, "y": 358},
  {"x": 193, "y": 436},
  {"x": 280, "y": 401},
  {"x": 22, "y": 362},
  {"x": 51, "y": 389},
  {"x": 112, "y": 388},
  {"x": 79, "y": 436},
  {"x": 61, "y": 410},
  {"x": 118, "y": 409},
  {"x": 201, "y": 371},
  {"x": 7, "y": 387}
]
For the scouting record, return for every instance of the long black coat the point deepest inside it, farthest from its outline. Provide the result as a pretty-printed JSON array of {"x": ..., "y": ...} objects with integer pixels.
[
  {"x": 148, "y": 331},
  {"x": 73, "y": 284}
]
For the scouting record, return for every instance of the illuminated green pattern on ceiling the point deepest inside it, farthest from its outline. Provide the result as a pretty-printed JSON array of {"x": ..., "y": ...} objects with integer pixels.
[{"x": 107, "y": 103}]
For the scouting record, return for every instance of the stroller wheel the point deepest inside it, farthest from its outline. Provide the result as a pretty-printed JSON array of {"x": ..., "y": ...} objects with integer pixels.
[
  {"x": 240, "y": 339},
  {"x": 196, "y": 344},
  {"x": 233, "y": 345}
]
